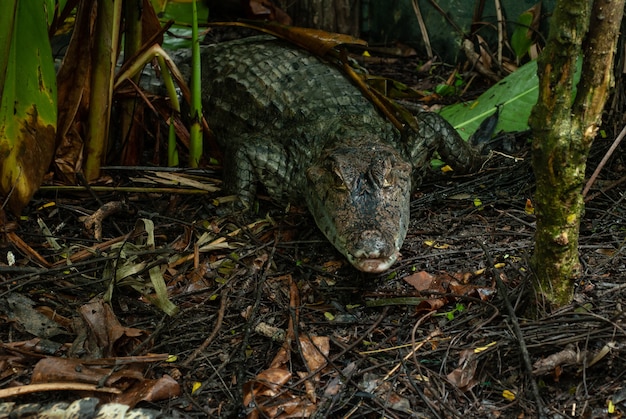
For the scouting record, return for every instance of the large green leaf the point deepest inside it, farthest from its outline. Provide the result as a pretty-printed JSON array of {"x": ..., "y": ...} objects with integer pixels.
[
  {"x": 517, "y": 93},
  {"x": 28, "y": 114},
  {"x": 7, "y": 18}
]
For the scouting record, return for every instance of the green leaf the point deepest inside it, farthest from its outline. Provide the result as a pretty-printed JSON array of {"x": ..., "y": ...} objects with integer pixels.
[
  {"x": 517, "y": 92},
  {"x": 444, "y": 90},
  {"x": 521, "y": 40},
  {"x": 28, "y": 113},
  {"x": 7, "y": 20}
]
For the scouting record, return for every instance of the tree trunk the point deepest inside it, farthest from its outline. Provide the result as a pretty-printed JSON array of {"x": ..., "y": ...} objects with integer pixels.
[
  {"x": 563, "y": 131},
  {"x": 342, "y": 16}
]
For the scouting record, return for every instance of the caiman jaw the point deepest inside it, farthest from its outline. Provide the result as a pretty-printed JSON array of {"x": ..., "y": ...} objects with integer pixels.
[
  {"x": 372, "y": 251},
  {"x": 373, "y": 265}
]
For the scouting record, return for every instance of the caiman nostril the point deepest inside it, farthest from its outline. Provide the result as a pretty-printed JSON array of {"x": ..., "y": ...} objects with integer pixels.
[{"x": 372, "y": 244}]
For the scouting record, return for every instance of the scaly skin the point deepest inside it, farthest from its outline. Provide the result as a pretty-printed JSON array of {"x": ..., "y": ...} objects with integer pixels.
[{"x": 295, "y": 124}]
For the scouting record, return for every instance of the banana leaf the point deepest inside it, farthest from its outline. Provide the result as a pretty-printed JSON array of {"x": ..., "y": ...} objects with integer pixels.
[
  {"x": 517, "y": 93},
  {"x": 28, "y": 115}
]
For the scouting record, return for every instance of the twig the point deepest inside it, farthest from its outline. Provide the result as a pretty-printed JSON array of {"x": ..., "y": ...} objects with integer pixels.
[
  {"x": 501, "y": 30},
  {"x": 606, "y": 157},
  {"x": 446, "y": 16},
  {"x": 28, "y": 251},
  {"x": 249, "y": 329},
  {"x": 423, "y": 29},
  {"x": 126, "y": 189},
  {"x": 606, "y": 188},
  {"x": 94, "y": 221},
  {"x": 518, "y": 332},
  {"x": 41, "y": 387},
  {"x": 216, "y": 330}
]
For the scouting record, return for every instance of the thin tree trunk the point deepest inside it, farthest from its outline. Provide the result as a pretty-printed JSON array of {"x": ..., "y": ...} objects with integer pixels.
[{"x": 563, "y": 132}]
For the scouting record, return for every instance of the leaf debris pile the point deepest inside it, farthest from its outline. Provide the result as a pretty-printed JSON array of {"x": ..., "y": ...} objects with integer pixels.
[{"x": 266, "y": 320}]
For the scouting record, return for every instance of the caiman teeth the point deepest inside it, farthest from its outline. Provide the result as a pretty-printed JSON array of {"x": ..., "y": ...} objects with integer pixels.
[{"x": 373, "y": 265}]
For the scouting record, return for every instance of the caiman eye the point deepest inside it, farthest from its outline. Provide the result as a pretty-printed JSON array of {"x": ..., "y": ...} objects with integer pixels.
[
  {"x": 388, "y": 174},
  {"x": 338, "y": 181}
]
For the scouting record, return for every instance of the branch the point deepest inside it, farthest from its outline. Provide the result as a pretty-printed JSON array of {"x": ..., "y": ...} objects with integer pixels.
[{"x": 598, "y": 51}]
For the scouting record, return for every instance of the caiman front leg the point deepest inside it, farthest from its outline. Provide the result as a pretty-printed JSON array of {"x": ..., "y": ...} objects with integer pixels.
[
  {"x": 436, "y": 134},
  {"x": 256, "y": 160}
]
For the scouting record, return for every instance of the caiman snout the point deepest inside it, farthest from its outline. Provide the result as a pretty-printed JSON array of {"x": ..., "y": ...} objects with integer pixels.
[
  {"x": 359, "y": 195},
  {"x": 373, "y": 253}
]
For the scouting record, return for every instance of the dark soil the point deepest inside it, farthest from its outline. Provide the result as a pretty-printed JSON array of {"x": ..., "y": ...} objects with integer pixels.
[{"x": 450, "y": 350}]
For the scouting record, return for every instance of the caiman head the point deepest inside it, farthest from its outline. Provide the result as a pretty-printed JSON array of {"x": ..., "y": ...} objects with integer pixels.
[{"x": 359, "y": 196}]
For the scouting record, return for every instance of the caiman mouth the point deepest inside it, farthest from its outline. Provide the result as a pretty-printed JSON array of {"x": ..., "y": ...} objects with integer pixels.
[{"x": 373, "y": 265}]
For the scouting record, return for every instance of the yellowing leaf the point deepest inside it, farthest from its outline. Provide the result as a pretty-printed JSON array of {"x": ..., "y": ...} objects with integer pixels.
[
  {"x": 436, "y": 245},
  {"x": 509, "y": 395},
  {"x": 196, "y": 386},
  {"x": 478, "y": 202},
  {"x": 28, "y": 112},
  {"x": 484, "y": 348},
  {"x": 446, "y": 169},
  {"x": 529, "y": 208}
]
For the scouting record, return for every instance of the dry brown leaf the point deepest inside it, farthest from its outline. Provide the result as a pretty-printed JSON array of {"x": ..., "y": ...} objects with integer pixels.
[
  {"x": 316, "y": 41},
  {"x": 73, "y": 84},
  {"x": 110, "y": 336},
  {"x": 54, "y": 369},
  {"x": 459, "y": 289},
  {"x": 267, "y": 383},
  {"x": 315, "y": 351},
  {"x": 296, "y": 408},
  {"x": 485, "y": 57},
  {"x": 463, "y": 375},
  {"x": 150, "y": 390},
  {"x": 309, "y": 386},
  {"x": 423, "y": 281},
  {"x": 432, "y": 304}
]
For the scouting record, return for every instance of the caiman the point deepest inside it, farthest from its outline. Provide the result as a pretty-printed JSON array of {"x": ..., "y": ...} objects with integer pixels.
[{"x": 295, "y": 124}]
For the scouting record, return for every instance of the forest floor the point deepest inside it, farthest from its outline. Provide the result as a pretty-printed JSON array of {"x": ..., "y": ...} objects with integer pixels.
[{"x": 268, "y": 320}]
